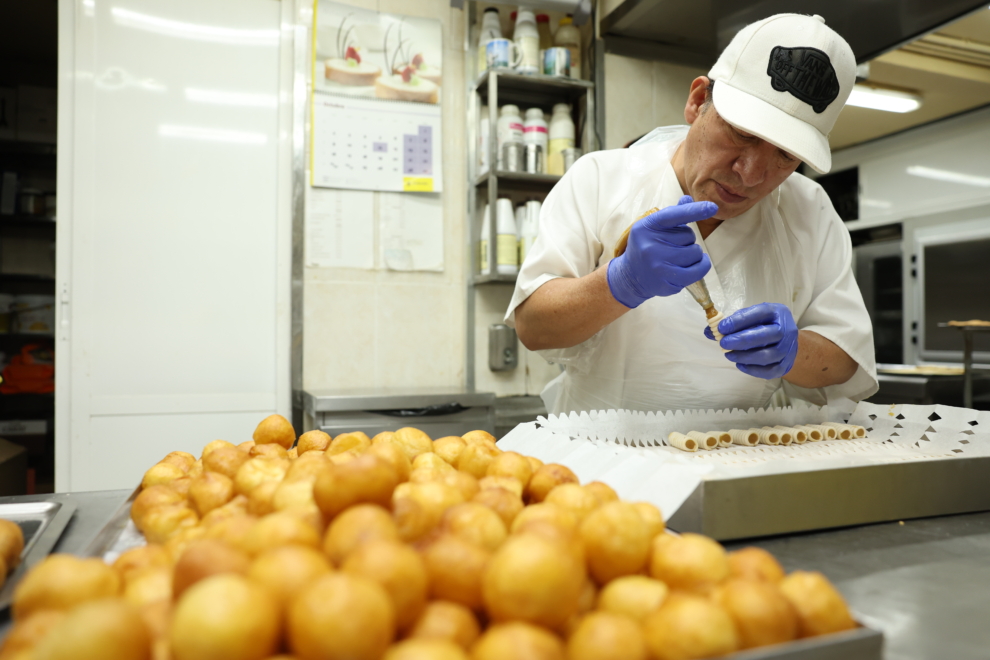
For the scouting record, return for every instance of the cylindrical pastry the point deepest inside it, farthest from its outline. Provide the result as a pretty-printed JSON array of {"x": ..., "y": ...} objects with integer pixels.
[
  {"x": 841, "y": 430},
  {"x": 705, "y": 440},
  {"x": 747, "y": 438},
  {"x": 724, "y": 438},
  {"x": 768, "y": 436},
  {"x": 857, "y": 431},
  {"x": 828, "y": 432},
  {"x": 682, "y": 442},
  {"x": 786, "y": 437},
  {"x": 799, "y": 435},
  {"x": 713, "y": 324},
  {"x": 814, "y": 434}
]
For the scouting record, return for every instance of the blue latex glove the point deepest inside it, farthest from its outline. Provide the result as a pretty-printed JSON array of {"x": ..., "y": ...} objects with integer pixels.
[
  {"x": 661, "y": 257},
  {"x": 762, "y": 340}
]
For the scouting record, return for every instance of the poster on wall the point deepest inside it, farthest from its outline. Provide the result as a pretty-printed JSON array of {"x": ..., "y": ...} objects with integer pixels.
[{"x": 376, "y": 100}]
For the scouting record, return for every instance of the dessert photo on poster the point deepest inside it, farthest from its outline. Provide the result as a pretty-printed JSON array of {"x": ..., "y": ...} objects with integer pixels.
[{"x": 374, "y": 55}]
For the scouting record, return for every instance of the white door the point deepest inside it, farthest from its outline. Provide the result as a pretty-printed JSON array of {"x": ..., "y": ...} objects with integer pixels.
[{"x": 174, "y": 226}]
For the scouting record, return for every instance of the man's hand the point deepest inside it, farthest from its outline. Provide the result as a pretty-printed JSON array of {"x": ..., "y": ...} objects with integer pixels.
[
  {"x": 662, "y": 257},
  {"x": 762, "y": 340}
]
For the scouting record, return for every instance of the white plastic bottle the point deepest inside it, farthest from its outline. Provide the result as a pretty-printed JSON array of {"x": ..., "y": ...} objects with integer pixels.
[
  {"x": 491, "y": 28},
  {"x": 569, "y": 37},
  {"x": 509, "y": 129},
  {"x": 520, "y": 218},
  {"x": 561, "y": 136},
  {"x": 527, "y": 38},
  {"x": 507, "y": 248},
  {"x": 530, "y": 228},
  {"x": 484, "y": 140},
  {"x": 486, "y": 237},
  {"x": 535, "y": 131}
]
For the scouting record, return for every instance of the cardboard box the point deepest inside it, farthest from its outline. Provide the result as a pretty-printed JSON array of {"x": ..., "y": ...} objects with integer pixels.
[
  {"x": 37, "y": 113},
  {"x": 8, "y": 113},
  {"x": 13, "y": 469}
]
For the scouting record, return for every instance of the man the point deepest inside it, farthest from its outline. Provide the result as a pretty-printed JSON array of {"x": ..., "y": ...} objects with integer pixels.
[{"x": 773, "y": 252}]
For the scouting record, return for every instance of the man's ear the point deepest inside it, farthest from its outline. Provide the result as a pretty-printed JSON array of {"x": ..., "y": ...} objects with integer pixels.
[{"x": 696, "y": 99}]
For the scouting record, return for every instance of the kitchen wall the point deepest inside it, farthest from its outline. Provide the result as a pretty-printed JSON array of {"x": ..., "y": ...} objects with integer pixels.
[{"x": 378, "y": 328}]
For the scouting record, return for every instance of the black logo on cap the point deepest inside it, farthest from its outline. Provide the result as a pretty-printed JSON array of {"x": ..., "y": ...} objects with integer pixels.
[{"x": 806, "y": 73}]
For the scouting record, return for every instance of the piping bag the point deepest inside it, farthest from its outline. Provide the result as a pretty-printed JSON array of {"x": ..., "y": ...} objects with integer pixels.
[{"x": 698, "y": 290}]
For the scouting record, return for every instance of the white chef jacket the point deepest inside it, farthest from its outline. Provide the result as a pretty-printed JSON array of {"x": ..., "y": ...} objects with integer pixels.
[{"x": 790, "y": 248}]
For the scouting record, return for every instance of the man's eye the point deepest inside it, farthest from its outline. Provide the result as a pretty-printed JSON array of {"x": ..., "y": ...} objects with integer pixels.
[{"x": 786, "y": 156}]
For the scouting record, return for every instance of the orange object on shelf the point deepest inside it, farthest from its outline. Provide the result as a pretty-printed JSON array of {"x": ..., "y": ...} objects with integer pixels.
[{"x": 32, "y": 371}]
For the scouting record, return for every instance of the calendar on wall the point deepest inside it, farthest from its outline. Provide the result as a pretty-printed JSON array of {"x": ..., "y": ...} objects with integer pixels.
[
  {"x": 364, "y": 144},
  {"x": 376, "y": 100}
]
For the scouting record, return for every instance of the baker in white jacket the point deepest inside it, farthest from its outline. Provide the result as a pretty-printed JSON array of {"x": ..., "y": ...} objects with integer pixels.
[{"x": 773, "y": 252}]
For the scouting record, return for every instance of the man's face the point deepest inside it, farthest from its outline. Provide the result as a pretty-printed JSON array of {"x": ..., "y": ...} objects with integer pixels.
[{"x": 727, "y": 166}]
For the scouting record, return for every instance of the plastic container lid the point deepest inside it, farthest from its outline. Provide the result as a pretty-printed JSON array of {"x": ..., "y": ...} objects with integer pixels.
[
  {"x": 534, "y": 113},
  {"x": 542, "y": 18},
  {"x": 509, "y": 109},
  {"x": 567, "y": 20}
]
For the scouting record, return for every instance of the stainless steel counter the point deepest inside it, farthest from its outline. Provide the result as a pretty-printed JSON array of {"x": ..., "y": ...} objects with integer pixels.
[{"x": 925, "y": 584}]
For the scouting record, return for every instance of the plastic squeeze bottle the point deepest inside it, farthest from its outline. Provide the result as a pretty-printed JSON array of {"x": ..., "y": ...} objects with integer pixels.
[
  {"x": 530, "y": 227},
  {"x": 535, "y": 131},
  {"x": 506, "y": 249},
  {"x": 509, "y": 129},
  {"x": 561, "y": 137},
  {"x": 527, "y": 37},
  {"x": 569, "y": 37}
]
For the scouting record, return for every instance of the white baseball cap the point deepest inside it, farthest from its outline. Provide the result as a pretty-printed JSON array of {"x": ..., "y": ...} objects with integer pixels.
[{"x": 785, "y": 79}]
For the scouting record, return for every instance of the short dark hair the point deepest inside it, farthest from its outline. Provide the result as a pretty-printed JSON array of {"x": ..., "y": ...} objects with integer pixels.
[{"x": 708, "y": 95}]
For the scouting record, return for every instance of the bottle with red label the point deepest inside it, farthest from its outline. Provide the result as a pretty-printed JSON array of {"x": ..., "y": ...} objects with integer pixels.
[{"x": 535, "y": 132}]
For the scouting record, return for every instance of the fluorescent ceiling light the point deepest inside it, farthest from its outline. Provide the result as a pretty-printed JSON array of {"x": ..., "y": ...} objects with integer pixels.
[
  {"x": 211, "y": 134},
  {"x": 218, "y": 97},
  {"x": 888, "y": 100},
  {"x": 949, "y": 176},
  {"x": 194, "y": 31}
]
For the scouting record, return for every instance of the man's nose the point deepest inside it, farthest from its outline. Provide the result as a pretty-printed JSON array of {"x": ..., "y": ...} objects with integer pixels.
[{"x": 753, "y": 164}]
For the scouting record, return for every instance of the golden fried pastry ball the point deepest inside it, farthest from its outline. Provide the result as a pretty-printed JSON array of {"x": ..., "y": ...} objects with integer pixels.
[
  {"x": 225, "y": 616},
  {"x": 384, "y": 437},
  {"x": 476, "y": 458},
  {"x": 455, "y": 567},
  {"x": 755, "y": 564},
  {"x": 161, "y": 474},
  {"x": 292, "y": 454},
  {"x": 762, "y": 614},
  {"x": 413, "y": 521},
  {"x": 606, "y": 636},
  {"x": 149, "y": 586},
  {"x": 449, "y": 448},
  {"x": 519, "y": 641},
  {"x": 270, "y": 450},
  {"x": 412, "y": 442},
  {"x": 341, "y": 616},
  {"x": 510, "y": 484},
  {"x": 356, "y": 442},
  {"x": 425, "y": 649},
  {"x": 427, "y": 474},
  {"x": 431, "y": 461},
  {"x": 181, "y": 459},
  {"x": 511, "y": 464},
  {"x": 246, "y": 446},
  {"x": 652, "y": 516},
  {"x": 546, "y": 512},
  {"x": 478, "y": 437},
  {"x": 293, "y": 494},
  {"x": 344, "y": 457},
  {"x": 97, "y": 630},
  {"x": 196, "y": 470},
  {"x": 261, "y": 500},
  {"x": 574, "y": 497},
  {"x": 360, "y": 524},
  {"x": 443, "y": 619},
  {"x": 307, "y": 467},
  {"x": 691, "y": 562},
  {"x": 152, "y": 498},
  {"x": 315, "y": 440},
  {"x": 395, "y": 456},
  {"x": 181, "y": 485},
  {"x": 211, "y": 490},
  {"x": 367, "y": 479},
  {"x": 60, "y": 582},
  {"x": 687, "y": 627},
  {"x": 25, "y": 634},
  {"x": 476, "y": 523},
  {"x": 280, "y": 528},
  {"x": 161, "y": 523},
  {"x": 546, "y": 478},
  {"x": 633, "y": 596},
  {"x": 226, "y": 461},
  {"x": 11, "y": 545},
  {"x": 534, "y": 463},
  {"x": 178, "y": 542},
  {"x": 820, "y": 607},
  {"x": 204, "y": 558},
  {"x": 616, "y": 540},
  {"x": 231, "y": 530},
  {"x": 135, "y": 560},
  {"x": 532, "y": 578},
  {"x": 463, "y": 482},
  {"x": 602, "y": 491},
  {"x": 238, "y": 506},
  {"x": 257, "y": 471},
  {"x": 505, "y": 503},
  {"x": 399, "y": 570},
  {"x": 274, "y": 429},
  {"x": 287, "y": 570},
  {"x": 435, "y": 497},
  {"x": 213, "y": 446}
]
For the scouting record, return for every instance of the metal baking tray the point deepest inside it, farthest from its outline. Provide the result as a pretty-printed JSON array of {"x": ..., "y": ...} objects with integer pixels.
[
  {"x": 858, "y": 644},
  {"x": 42, "y": 524},
  {"x": 118, "y": 534},
  {"x": 746, "y": 507}
]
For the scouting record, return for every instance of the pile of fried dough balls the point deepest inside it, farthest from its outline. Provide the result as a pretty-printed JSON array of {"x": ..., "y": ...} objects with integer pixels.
[{"x": 404, "y": 548}]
